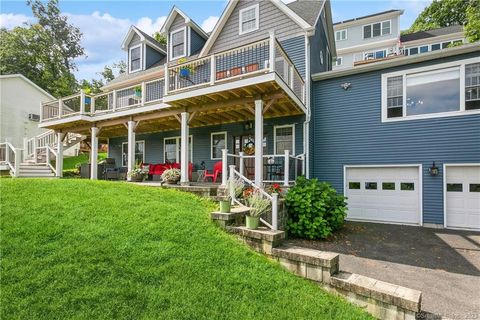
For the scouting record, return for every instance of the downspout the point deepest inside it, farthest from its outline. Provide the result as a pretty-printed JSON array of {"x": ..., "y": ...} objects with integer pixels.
[{"x": 306, "y": 124}]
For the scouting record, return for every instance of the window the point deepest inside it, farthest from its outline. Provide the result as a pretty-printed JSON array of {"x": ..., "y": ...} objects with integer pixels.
[
  {"x": 135, "y": 54},
  {"x": 376, "y": 29},
  {"x": 354, "y": 185},
  {"x": 434, "y": 91},
  {"x": 218, "y": 142},
  {"x": 249, "y": 19},
  {"x": 388, "y": 185},
  {"x": 435, "y": 46},
  {"x": 407, "y": 186},
  {"x": 474, "y": 187},
  {"x": 171, "y": 149},
  {"x": 370, "y": 186},
  {"x": 379, "y": 54},
  {"x": 178, "y": 40},
  {"x": 341, "y": 35},
  {"x": 321, "y": 57},
  {"x": 423, "y": 49},
  {"x": 472, "y": 86},
  {"x": 413, "y": 51},
  {"x": 338, "y": 61},
  {"x": 284, "y": 139},
  {"x": 454, "y": 187},
  {"x": 139, "y": 152}
]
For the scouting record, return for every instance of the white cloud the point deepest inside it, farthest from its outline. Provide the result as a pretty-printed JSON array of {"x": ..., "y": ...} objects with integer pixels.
[
  {"x": 11, "y": 20},
  {"x": 149, "y": 26},
  {"x": 209, "y": 23}
]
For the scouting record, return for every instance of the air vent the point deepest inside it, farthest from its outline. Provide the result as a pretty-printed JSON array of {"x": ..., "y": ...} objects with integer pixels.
[{"x": 33, "y": 117}]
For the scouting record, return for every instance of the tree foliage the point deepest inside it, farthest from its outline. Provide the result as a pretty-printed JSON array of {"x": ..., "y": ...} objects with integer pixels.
[
  {"x": 444, "y": 13},
  {"x": 43, "y": 51},
  {"x": 94, "y": 86},
  {"x": 160, "y": 37}
]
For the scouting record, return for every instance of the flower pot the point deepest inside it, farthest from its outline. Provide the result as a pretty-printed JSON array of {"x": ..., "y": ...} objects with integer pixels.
[
  {"x": 225, "y": 206},
  {"x": 172, "y": 181},
  {"x": 138, "y": 93},
  {"x": 185, "y": 73},
  {"x": 252, "y": 222},
  {"x": 136, "y": 178}
]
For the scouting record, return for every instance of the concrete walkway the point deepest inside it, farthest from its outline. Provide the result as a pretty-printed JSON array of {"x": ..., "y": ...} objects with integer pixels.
[{"x": 443, "y": 264}]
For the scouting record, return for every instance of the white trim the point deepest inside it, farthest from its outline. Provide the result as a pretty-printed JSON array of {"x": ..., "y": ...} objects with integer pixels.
[
  {"x": 374, "y": 51},
  {"x": 189, "y": 39},
  {"x": 372, "y": 19},
  {"x": 336, "y": 60},
  {"x": 433, "y": 68},
  {"x": 340, "y": 32},
  {"x": 292, "y": 152},
  {"x": 420, "y": 187},
  {"x": 444, "y": 185},
  {"x": 137, "y": 141},
  {"x": 429, "y": 45},
  {"x": 170, "y": 45},
  {"x": 368, "y": 46},
  {"x": 130, "y": 58},
  {"x": 178, "y": 144},
  {"x": 189, "y": 22},
  {"x": 211, "y": 143},
  {"x": 257, "y": 18},
  {"x": 381, "y": 29}
]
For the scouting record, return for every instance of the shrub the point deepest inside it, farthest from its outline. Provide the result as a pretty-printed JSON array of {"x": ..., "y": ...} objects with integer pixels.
[{"x": 315, "y": 210}]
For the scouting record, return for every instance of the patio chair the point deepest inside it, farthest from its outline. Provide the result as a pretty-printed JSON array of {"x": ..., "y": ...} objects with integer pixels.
[{"x": 217, "y": 168}]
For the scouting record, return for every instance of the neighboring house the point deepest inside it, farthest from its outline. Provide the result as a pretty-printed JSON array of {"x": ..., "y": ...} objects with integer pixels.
[
  {"x": 432, "y": 40},
  {"x": 244, "y": 95},
  {"x": 375, "y": 36},
  {"x": 19, "y": 114}
]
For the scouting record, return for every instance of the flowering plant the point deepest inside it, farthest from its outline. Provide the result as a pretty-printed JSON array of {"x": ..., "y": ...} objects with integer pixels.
[
  {"x": 171, "y": 174},
  {"x": 137, "y": 173},
  {"x": 258, "y": 203},
  {"x": 275, "y": 188}
]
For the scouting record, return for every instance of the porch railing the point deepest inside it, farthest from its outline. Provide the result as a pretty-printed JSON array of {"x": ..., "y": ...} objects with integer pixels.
[
  {"x": 35, "y": 148},
  {"x": 11, "y": 156}
]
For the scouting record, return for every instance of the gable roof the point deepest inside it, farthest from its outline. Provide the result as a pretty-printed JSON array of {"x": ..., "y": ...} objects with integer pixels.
[
  {"x": 370, "y": 16},
  {"x": 143, "y": 38},
  {"x": 231, "y": 6},
  {"x": 171, "y": 17},
  {"x": 30, "y": 82},
  {"x": 431, "y": 33},
  {"x": 308, "y": 10}
]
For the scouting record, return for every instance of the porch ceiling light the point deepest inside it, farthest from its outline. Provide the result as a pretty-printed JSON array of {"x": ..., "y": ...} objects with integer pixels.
[{"x": 433, "y": 170}]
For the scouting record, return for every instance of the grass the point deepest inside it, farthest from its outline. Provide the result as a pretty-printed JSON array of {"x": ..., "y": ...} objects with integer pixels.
[
  {"x": 70, "y": 162},
  {"x": 110, "y": 250}
]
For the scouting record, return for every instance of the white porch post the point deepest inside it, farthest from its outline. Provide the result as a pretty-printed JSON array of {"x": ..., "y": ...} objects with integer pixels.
[
  {"x": 184, "y": 149},
  {"x": 242, "y": 163},
  {"x": 94, "y": 154},
  {"x": 59, "y": 160},
  {"x": 131, "y": 146},
  {"x": 286, "y": 169},
  {"x": 224, "y": 167},
  {"x": 259, "y": 143}
]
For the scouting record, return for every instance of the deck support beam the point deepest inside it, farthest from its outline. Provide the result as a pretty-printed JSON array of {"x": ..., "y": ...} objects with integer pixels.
[
  {"x": 94, "y": 154},
  {"x": 184, "y": 156},
  {"x": 259, "y": 143},
  {"x": 59, "y": 160},
  {"x": 131, "y": 146}
]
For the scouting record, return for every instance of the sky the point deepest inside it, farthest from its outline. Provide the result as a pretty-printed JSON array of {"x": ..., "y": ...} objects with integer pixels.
[{"x": 105, "y": 23}]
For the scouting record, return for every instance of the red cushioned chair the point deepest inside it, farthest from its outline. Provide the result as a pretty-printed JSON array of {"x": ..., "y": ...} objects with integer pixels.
[{"x": 217, "y": 168}]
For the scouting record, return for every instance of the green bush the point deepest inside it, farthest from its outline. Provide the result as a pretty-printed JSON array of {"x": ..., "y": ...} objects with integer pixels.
[{"x": 315, "y": 210}]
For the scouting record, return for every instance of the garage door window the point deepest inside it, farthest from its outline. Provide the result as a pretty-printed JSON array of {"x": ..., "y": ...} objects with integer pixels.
[
  {"x": 370, "y": 186},
  {"x": 454, "y": 187},
  {"x": 388, "y": 186},
  {"x": 474, "y": 187},
  {"x": 354, "y": 185},
  {"x": 407, "y": 186}
]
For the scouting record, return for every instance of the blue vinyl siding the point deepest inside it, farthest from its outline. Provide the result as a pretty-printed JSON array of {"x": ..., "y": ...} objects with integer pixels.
[
  {"x": 152, "y": 56},
  {"x": 318, "y": 47},
  {"x": 347, "y": 130},
  {"x": 295, "y": 49},
  {"x": 196, "y": 42},
  {"x": 201, "y": 140}
]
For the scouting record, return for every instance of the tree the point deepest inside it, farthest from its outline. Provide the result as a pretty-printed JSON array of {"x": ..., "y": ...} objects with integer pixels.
[
  {"x": 160, "y": 37},
  {"x": 44, "y": 51},
  {"x": 108, "y": 74},
  {"x": 444, "y": 13}
]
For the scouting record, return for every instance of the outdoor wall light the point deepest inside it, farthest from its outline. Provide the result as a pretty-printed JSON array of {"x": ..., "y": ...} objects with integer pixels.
[
  {"x": 345, "y": 86},
  {"x": 433, "y": 170},
  {"x": 248, "y": 125}
]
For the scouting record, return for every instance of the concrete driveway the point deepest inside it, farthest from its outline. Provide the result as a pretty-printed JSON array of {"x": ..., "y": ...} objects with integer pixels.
[{"x": 443, "y": 264}]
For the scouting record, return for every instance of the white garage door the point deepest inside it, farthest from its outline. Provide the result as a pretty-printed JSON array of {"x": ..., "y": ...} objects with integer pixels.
[
  {"x": 387, "y": 194},
  {"x": 462, "y": 189}
]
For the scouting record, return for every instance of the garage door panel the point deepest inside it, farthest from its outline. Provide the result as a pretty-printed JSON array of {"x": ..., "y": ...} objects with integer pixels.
[{"x": 387, "y": 202}]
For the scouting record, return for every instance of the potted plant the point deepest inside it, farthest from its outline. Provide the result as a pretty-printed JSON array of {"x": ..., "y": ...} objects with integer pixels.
[
  {"x": 275, "y": 188},
  {"x": 258, "y": 205},
  {"x": 234, "y": 186},
  {"x": 87, "y": 92},
  {"x": 137, "y": 91},
  {"x": 185, "y": 71},
  {"x": 137, "y": 174},
  {"x": 171, "y": 176}
]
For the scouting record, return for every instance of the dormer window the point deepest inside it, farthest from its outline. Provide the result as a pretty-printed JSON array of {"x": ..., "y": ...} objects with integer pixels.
[
  {"x": 178, "y": 40},
  {"x": 248, "y": 20},
  {"x": 135, "y": 61}
]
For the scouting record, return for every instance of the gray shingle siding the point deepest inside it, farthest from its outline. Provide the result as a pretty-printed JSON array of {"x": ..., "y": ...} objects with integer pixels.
[
  {"x": 196, "y": 42},
  {"x": 135, "y": 40},
  {"x": 177, "y": 23},
  {"x": 347, "y": 130},
  {"x": 271, "y": 18}
]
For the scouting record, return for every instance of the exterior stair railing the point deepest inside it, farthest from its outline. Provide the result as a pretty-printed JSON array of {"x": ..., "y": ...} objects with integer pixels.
[{"x": 11, "y": 156}]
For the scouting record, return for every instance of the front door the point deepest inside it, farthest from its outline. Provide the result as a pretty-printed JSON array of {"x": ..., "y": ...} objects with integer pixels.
[{"x": 246, "y": 143}]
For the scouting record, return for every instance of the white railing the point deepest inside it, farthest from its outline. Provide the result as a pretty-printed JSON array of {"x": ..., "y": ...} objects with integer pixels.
[
  {"x": 50, "y": 155},
  {"x": 286, "y": 69},
  {"x": 273, "y": 197},
  {"x": 11, "y": 156},
  {"x": 36, "y": 147}
]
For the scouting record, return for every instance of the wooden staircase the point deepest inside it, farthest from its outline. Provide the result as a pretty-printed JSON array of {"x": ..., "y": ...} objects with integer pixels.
[{"x": 31, "y": 170}]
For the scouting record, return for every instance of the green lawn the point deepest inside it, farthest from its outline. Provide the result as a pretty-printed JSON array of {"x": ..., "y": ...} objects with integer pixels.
[
  {"x": 111, "y": 250},
  {"x": 70, "y": 162}
]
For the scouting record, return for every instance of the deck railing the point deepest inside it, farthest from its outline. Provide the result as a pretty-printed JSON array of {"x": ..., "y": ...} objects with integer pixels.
[
  {"x": 11, "y": 156},
  {"x": 264, "y": 56},
  {"x": 35, "y": 148}
]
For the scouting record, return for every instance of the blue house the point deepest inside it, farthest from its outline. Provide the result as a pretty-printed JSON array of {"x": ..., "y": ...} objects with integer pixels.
[{"x": 399, "y": 137}]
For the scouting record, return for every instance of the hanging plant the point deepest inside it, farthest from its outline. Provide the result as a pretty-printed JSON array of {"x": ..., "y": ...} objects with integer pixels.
[
  {"x": 138, "y": 91},
  {"x": 185, "y": 71}
]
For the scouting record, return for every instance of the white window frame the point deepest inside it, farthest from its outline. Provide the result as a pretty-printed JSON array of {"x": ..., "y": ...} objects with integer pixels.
[
  {"x": 177, "y": 154},
  {"x": 434, "y": 68},
  {"x": 340, "y": 32},
  {"x": 257, "y": 19},
  {"x": 130, "y": 57},
  {"x": 336, "y": 61},
  {"x": 144, "y": 150},
  {"x": 211, "y": 143},
  {"x": 184, "y": 29},
  {"x": 375, "y": 51},
  {"x": 371, "y": 28},
  {"x": 292, "y": 152}
]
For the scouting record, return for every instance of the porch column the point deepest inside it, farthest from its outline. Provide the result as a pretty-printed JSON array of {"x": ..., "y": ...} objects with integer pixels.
[
  {"x": 184, "y": 149},
  {"x": 259, "y": 143},
  {"x": 59, "y": 160},
  {"x": 131, "y": 146},
  {"x": 94, "y": 154}
]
